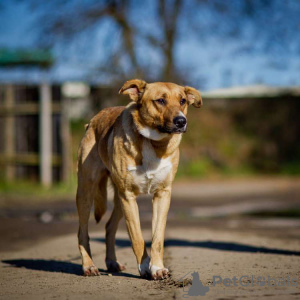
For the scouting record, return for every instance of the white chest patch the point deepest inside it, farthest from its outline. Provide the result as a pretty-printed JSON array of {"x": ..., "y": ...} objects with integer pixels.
[
  {"x": 152, "y": 134},
  {"x": 152, "y": 172}
]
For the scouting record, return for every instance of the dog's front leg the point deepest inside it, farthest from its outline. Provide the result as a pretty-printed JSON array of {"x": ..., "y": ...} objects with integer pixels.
[
  {"x": 161, "y": 203},
  {"x": 132, "y": 218}
]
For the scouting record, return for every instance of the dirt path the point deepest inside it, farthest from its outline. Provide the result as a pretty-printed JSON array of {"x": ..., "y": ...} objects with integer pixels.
[
  {"x": 52, "y": 269},
  {"x": 211, "y": 231}
]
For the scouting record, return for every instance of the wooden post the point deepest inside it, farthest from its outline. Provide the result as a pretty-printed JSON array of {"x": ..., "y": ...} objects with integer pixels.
[
  {"x": 65, "y": 141},
  {"x": 45, "y": 135},
  {"x": 9, "y": 136}
]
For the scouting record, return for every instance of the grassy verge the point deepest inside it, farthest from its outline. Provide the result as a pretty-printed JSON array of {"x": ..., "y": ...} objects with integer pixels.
[
  {"x": 206, "y": 169},
  {"x": 35, "y": 191}
]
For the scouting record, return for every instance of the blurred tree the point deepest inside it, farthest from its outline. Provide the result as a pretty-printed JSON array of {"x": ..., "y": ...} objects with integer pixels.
[
  {"x": 68, "y": 21},
  {"x": 164, "y": 39}
]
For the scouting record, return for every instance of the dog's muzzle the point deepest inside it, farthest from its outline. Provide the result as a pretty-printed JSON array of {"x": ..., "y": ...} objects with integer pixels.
[{"x": 179, "y": 126}]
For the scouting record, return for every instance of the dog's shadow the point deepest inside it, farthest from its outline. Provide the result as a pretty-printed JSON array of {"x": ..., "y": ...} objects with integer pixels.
[
  {"x": 75, "y": 269},
  {"x": 57, "y": 266},
  {"x": 215, "y": 245}
]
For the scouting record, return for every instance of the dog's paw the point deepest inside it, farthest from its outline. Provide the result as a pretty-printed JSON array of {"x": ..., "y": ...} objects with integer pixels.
[
  {"x": 158, "y": 273},
  {"x": 144, "y": 268},
  {"x": 91, "y": 271},
  {"x": 114, "y": 266}
]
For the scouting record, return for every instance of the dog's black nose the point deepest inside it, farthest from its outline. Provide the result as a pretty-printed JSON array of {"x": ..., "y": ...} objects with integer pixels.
[{"x": 179, "y": 121}]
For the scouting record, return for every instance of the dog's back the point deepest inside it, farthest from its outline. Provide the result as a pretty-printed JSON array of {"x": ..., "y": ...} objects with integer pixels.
[{"x": 97, "y": 131}]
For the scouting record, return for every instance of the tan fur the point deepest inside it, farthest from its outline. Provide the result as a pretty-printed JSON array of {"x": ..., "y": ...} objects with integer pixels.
[{"x": 137, "y": 147}]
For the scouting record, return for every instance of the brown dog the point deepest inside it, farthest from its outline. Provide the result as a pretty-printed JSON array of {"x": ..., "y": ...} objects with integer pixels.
[{"x": 137, "y": 147}]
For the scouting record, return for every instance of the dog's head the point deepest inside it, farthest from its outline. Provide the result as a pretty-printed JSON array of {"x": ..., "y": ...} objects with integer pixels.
[{"x": 162, "y": 106}]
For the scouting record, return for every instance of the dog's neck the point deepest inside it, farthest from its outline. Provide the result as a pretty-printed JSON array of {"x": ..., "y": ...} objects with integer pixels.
[
  {"x": 163, "y": 143},
  {"x": 148, "y": 132}
]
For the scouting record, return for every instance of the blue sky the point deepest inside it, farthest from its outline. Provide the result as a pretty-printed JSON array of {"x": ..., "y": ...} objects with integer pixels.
[{"x": 213, "y": 50}]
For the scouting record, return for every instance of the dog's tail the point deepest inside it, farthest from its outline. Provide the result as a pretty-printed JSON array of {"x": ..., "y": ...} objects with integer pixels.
[
  {"x": 99, "y": 208},
  {"x": 100, "y": 200}
]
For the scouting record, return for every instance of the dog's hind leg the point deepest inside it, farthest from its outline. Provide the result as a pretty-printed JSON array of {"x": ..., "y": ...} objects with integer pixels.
[
  {"x": 92, "y": 178},
  {"x": 89, "y": 190},
  {"x": 84, "y": 201},
  {"x": 111, "y": 228}
]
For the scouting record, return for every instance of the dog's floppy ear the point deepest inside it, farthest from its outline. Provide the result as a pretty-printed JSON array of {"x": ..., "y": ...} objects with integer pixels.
[
  {"x": 134, "y": 88},
  {"x": 193, "y": 96}
]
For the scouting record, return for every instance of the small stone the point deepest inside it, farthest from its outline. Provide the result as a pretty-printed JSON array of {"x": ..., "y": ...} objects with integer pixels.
[{"x": 46, "y": 217}]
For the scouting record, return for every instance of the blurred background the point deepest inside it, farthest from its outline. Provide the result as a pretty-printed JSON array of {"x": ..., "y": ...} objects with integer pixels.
[{"x": 63, "y": 61}]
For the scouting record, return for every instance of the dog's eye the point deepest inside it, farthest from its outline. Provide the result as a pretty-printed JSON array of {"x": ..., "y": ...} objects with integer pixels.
[
  {"x": 182, "y": 101},
  {"x": 161, "y": 101}
]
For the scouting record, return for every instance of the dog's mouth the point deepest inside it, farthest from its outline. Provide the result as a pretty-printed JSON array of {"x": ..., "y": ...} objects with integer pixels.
[{"x": 165, "y": 129}]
